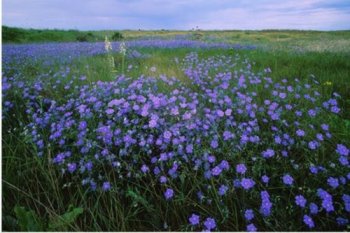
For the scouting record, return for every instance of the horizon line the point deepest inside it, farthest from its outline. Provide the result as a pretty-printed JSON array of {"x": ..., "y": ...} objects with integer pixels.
[{"x": 187, "y": 30}]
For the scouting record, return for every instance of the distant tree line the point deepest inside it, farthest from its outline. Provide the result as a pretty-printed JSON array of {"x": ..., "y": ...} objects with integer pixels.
[{"x": 20, "y": 35}]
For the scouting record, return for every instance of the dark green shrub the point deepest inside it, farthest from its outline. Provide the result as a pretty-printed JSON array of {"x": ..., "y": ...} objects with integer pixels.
[
  {"x": 85, "y": 37},
  {"x": 12, "y": 34},
  {"x": 82, "y": 38},
  {"x": 117, "y": 36}
]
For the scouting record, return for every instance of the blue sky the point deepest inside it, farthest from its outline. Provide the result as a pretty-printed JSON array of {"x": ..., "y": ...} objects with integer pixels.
[{"x": 177, "y": 14}]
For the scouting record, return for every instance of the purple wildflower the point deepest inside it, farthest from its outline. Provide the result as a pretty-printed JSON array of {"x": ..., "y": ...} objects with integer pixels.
[
  {"x": 313, "y": 169},
  {"x": 152, "y": 123},
  {"x": 300, "y": 201},
  {"x": 325, "y": 127},
  {"x": 300, "y": 133},
  {"x": 342, "y": 221},
  {"x": 335, "y": 109},
  {"x": 268, "y": 153},
  {"x": 249, "y": 214},
  {"x": 313, "y": 208},
  {"x": 265, "y": 179},
  {"x": 333, "y": 182},
  {"x": 106, "y": 186},
  {"x": 313, "y": 145},
  {"x": 308, "y": 221},
  {"x": 236, "y": 183},
  {"x": 167, "y": 135},
  {"x": 214, "y": 144},
  {"x": 241, "y": 168},
  {"x": 251, "y": 228},
  {"x": 163, "y": 179},
  {"x": 287, "y": 179},
  {"x": 210, "y": 223},
  {"x": 328, "y": 205},
  {"x": 189, "y": 149},
  {"x": 144, "y": 168},
  {"x": 211, "y": 158},
  {"x": 247, "y": 183},
  {"x": 342, "y": 150},
  {"x": 168, "y": 194},
  {"x": 216, "y": 171},
  {"x": 227, "y": 135},
  {"x": 224, "y": 165},
  {"x": 343, "y": 160},
  {"x": 346, "y": 199},
  {"x": 194, "y": 219},
  {"x": 109, "y": 111},
  {"x": 72, "y": 167},
  {"x": 222, "y": 190},
  {"x": 265, "y": 208}
]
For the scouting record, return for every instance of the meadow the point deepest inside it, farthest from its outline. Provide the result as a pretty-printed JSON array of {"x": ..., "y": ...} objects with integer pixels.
[{"x": 176, "y": 131}]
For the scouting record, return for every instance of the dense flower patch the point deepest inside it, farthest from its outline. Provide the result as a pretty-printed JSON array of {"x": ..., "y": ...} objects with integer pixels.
[
  {"x": 68, "y": 51},
  {"x": 264, "y": 142}
]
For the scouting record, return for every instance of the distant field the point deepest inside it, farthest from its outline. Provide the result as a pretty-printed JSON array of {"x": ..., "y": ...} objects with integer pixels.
[
  {"x": 318, "y": 41},
  {"x": 176, "y": 130}
]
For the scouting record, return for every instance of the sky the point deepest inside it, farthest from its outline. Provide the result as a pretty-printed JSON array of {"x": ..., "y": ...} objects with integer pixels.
[{"x": 177, "y": 14}]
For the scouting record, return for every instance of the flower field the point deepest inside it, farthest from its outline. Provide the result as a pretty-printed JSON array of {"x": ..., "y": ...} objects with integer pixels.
[{"x": 206, "y": 139}]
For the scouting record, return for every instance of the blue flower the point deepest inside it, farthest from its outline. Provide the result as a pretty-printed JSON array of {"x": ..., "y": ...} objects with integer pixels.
[
  {"x": 249, "y": 214},
  {"x": 210, "y": 223},
  {"x": 214, "y": 144},
  {"x": 313, "y": 169},
  {"x": 333, "y": 182},
  {"x": 308, "y": 221},
  {"x": 287, "y": 179},
  {"x": 313, "y": 208},
  {"x": 163, "y": 179},
  {"x": 224, "y": 165},
  {"x": 106, "y": 186},
  {"x": 342, "y": 221},
  {"x": 247, "y": 183},
  {"x": 72, "y": 167},
  {"x": 168, "y": 194},
  {"x": 342, "y": 150},
  {"x": 222, "y": 190},
  {"x": 194, "y": 219},
  {"x": 300, "y": 132},
  {"x": 251, "y": 228},
  {"x": 265, "y": 179},
  {"x": 241, "y": 168},
  {"x": 266, "y": 205},
  {"x": 216, "y": 171},
  {"x": 346, "y": 199},
  {"x": 268, "y": 153},
  {"x": 300, "y": 201},
  {"x": 144, "y": 168}
]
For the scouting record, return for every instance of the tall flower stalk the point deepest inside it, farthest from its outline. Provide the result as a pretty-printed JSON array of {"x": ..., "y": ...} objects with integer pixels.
[
  {"x": 110, "y": 58},
  {"x": 122, "y": 50}
]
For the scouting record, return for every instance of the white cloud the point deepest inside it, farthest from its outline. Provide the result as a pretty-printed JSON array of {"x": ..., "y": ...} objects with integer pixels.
[
  {"x": 267, "y": 17},
  {"x": 180, "y": 14}
]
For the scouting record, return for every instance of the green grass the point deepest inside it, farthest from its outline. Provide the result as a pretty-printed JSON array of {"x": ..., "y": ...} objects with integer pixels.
[{"x": 37, "y": 185}]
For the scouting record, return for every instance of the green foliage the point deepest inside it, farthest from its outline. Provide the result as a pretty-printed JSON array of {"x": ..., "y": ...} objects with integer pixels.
[
  {"x": 117, "y": 36},
  {"x": 19, "y": 35},
  {"x": 12, "y": 34},
  {"x": 9, "y": 223},
  {"x": 62, "y": 222},
  {"x": 197, "y": 35},
  {"x": 138, "y": 199},
  {"x": 85, "y": 37},
  {"x": 27, "y": 219}
]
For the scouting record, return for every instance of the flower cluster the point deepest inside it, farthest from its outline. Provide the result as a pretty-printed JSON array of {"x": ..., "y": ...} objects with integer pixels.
[{"x": 236, "y": 131}]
